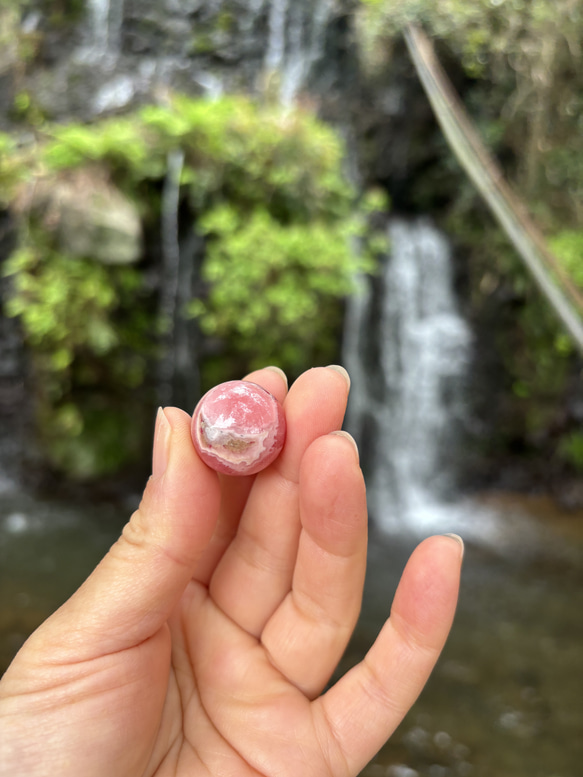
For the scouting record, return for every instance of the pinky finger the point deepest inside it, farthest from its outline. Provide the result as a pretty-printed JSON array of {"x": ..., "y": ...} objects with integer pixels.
[{"x": 361, "y": 711}]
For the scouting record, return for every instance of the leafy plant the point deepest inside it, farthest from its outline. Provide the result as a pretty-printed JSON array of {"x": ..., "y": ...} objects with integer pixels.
[
  {"x": 77, "y": 320},
  {"x": 284, "y": 234},
  {"x": 272, "y": 287},
  {"x": 568, "y": 247}
]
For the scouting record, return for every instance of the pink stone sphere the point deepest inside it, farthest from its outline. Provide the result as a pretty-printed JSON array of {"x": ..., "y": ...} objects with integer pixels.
[{"x": 238, "y": 428}]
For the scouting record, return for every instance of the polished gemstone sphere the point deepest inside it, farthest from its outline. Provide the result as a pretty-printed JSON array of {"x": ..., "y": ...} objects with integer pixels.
[{"x": 238, "y": 428}]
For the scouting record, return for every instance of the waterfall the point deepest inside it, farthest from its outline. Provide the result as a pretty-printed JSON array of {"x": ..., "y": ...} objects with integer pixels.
[
  {"x": 407, "y": 349},
  {"x": 178, "y": 379},
  {"x": 296, "y": 41},
  {"x": 100, "y": 52},
  {"x": 127, "y": 52},
  {"x": 170, "y": 272},
  {"x": 103, "y": 30},
  {"x": 275, "y": 54}
]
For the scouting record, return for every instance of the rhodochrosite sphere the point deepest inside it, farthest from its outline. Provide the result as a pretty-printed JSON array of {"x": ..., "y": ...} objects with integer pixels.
[{"x": 238, "y": 428}]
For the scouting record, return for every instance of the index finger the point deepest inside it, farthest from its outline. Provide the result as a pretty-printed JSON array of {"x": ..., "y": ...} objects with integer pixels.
[{"x": 235, "y": 490}]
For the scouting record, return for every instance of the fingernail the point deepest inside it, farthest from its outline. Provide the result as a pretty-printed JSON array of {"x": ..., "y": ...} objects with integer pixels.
[
  {"x": 162, "y": 434},
  {"x": 279, "y": 371},
  {"x": 350, "y": 438},
  {"x": 342, "y": 371},
  {"x": 459, "y": 541}
]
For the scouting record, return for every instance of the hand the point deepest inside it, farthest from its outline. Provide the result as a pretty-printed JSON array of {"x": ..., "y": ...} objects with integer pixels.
[{"x": 201, "y": 643}]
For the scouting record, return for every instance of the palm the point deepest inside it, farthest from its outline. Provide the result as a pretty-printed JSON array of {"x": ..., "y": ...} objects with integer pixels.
[
  {"x": 201, "y": 643},
  {"x": 238, "y": 711}
]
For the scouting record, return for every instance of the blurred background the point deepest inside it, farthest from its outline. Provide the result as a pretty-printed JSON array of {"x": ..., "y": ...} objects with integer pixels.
[{"x": 191, "y": 189}]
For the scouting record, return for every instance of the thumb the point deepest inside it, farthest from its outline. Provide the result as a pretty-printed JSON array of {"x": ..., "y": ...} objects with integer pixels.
[{"x": 132, "y": 592}]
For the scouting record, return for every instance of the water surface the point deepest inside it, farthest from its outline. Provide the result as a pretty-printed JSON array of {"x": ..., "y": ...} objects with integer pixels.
[{"x": 505, "y": 699}]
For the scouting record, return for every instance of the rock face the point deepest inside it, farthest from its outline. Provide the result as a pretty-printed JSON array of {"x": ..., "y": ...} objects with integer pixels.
[
  {"x": 123, "y": 52},
  {"x": 89, "y": 216}
]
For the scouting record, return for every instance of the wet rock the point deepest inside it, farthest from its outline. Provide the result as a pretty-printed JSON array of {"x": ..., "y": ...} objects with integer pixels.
[{"x": 88, "y": 216}]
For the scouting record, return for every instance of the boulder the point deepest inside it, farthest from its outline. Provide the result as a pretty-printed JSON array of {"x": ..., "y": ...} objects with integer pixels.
[{"x": 88, "y": 215}]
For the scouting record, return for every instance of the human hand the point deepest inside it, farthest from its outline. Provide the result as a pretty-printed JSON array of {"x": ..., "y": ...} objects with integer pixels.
[{"x": 201, "y": 643}]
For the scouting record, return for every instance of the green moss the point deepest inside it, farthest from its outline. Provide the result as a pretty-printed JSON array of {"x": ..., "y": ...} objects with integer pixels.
[{"x": 202, "y": 43}]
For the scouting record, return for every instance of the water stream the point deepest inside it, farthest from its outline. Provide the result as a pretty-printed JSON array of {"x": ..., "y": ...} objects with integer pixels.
[
  {"x": 118, "y": 64},
  {"x": 502, "y": 702},
  {"x": 408, "y": 349},
  {"x": 296, "y": 42},
  {"x": 168, "y": 306},
  {"x": 102, "y": 39}
]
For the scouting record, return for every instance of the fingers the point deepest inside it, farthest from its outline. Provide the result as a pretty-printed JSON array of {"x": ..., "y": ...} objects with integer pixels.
[
  {"x": 255, "y": 573},
  {"x": 308, "y": 633},
  {"x": 234, "y": 491},
  {"x": 315, "y": 406},
  {"x": 138, "y": 583},
  {"x": 363, "y": 709}
]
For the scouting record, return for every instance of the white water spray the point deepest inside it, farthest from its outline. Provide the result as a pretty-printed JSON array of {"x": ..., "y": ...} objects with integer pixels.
[
  {"x": 103, "y": 30},
  {"x": 407, "y": 349},
  {"x": 296, "y": 42}
]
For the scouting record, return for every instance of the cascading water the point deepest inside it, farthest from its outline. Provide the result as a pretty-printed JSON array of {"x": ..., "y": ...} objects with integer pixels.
[
  {"x": 170, "y": 271},
  {"x": 407, "y": 349},
  {"x": 101, "y": 51},
  {"x": 103, "y": 30},
  {"x": 118, "y": 62},
  {"x": 296, "y": 42},
  {"x": 178, "y": 379}
]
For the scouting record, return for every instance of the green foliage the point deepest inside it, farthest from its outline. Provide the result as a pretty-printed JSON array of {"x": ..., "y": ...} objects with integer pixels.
[
  {"x": 118, "y": 142},
  {"x": 77, "y": 319},
  {"x": 63, "y": 304},
  {"x": 568, "y": 247},
  {"x": 271, "y": 199},
  {"x": 254, "y": 156},
  {"x": 571, "y": 449},
  {"x": 284, "y": 239},
  {"x": 274, "y": 285},
  {"x": 524, "y": 85},
  {"x": 538, "y": 357},
  {"x": 14, "y": 168}
]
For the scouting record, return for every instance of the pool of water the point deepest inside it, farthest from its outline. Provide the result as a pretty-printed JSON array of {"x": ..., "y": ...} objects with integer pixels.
[
  {"x": 505, "y": 699},
  {"x": 46, "y": 550}
]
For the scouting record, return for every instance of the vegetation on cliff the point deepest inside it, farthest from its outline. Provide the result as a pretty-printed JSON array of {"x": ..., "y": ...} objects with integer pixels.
[
  {"x": 263, "y": 187},
  {"x": 266, "y": 191}
]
